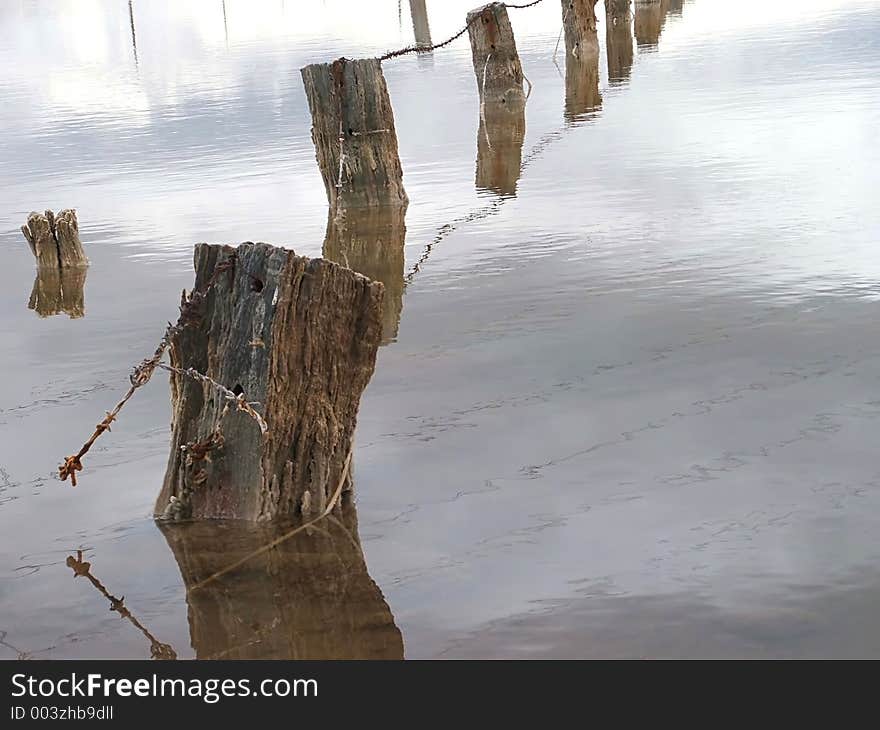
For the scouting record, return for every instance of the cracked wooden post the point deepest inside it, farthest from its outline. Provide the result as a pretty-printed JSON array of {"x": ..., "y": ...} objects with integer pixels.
[
  {"x": 371, "y": 242},
  {"x": 310, "y": 597},
  {"x": 618, "y": 40},
  {"x": 300, "y": 337},
  {"x": 496, "y": 61},
  {"x": 579, "y": 24},
  {"x": 54, "y": 240},
  {"x": 353, "y": 132}
]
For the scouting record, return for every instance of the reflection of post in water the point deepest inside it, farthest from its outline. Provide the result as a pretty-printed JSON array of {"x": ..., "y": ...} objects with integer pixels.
[
  {"x": 582, "y": 97},
  {"x": 81, "y": 568},
  {"x": 650, "y": 16},
  {"x": 59, "y": 290},
  {"x": 370, "y": 241},
  {"x": 676, "y": 7},
  {"x": 309, "y": 597},
  {"x": 500, "y": 139},
  {"x": 618, "y": 40},
  {"x": 421, "y": 30}
]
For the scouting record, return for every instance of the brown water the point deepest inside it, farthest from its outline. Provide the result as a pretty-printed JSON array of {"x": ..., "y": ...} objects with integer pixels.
[{"x": 629, "y": 405}]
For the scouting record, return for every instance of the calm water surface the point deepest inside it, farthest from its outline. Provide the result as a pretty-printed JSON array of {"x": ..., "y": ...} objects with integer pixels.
[{"x": 629, "y": 397}]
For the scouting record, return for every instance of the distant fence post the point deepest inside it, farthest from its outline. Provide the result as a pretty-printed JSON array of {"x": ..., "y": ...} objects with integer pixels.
[
  {"x": 353, "y": 132},
  {"x": 579, "y": 23},
  {"x": 496, "y": 61},
  {"x": 421, "y": 28}
]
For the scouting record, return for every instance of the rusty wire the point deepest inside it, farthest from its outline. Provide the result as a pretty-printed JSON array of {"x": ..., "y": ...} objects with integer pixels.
[
  {"x": 237, "y": 400},
  {"x": 427, "y": 49},
  {"x": 141, "y": 374}
]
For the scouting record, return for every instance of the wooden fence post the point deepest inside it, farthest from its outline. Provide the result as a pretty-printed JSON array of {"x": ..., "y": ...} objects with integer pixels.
[
  {"x": 353, "y": 132},
  {"x": 579, "y": 23},
  {"x": 300, "y": 337},
  {"x": 496, "y": 61},
  {"x": 54, "y": 240},
  {"x": 421, "y": 29}
]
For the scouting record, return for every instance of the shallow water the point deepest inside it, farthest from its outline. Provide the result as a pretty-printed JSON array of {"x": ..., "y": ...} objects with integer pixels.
[{"x": 627, "y": 409}]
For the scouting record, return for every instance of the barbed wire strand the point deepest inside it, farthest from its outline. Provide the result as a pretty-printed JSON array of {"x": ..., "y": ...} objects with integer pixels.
[{"x": 427, "y": 49}]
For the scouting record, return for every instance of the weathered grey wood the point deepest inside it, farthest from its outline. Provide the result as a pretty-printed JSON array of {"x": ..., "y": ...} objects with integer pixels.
[
  {"x": 370, "y": 241},
  {"x": 54, "y": 240},
  {"x": 421, "y": 28},
  {"x": 582, "y": 97},
  {"x": 349, "y": 102},
  {"x": 500, "y": 137},
  {"x": 496, "y": 61},
  {"x": 579, "y": 23},
  {"x": 59, "y": 290},
  {"x": 650, "y": 16},
  {"x": 618, "y": 40},
  {"x": 299, "y": 336},
  {"x": 310, "y": 597}
]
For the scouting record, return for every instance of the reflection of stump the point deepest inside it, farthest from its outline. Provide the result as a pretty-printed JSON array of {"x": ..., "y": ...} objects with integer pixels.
[
  {"x": 353, "y": 132},
  {"x": 54, "y": 240},
  {"x": 421, "y": 29},
  {"x": 59, "y": 290},
  {"x": 371, "y": 243},
  {"x": 676, "y": 7},
  {"x": 579, "y": 23},
  {"x": 308, "y": 598},
  {"x": 650, "y": 16},
  {"x": 618, "y": 40},
  {"x": 299, "y": 336},
  {"x": 496, "y": 61},
  {"x": 582, "y": 97},
  {"x": 499, "y": 147}
]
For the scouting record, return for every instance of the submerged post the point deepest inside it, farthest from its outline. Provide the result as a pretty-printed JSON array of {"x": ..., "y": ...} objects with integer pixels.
[
  {"x": 496, "y": 61},
  {"x": 579, "y": 23},
  {"x": 297, "y": 335},
  {"x": 353, "y": 132},
  {"x": 54, "y": 240}
]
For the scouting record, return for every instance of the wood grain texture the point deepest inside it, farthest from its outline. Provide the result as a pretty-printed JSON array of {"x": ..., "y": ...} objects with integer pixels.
[
  {"x": 496, "y": 61},
  {"x": 354, "y": 93},
  {"x": 297, "y": 335}
]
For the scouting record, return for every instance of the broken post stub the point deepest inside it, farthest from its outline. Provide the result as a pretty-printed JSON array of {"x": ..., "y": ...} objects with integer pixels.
[
  {"x": 54, "y": 240},
  {"x": 579, "y": 23},
  {"x": 353, "y": 133},
  {"x": 300, "y": 337},
  {"x": 496, "y": 61}
]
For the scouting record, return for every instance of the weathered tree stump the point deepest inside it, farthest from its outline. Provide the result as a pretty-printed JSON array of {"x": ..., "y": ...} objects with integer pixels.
[
  {"x": 370, "y": 241},
  {"x": 496, "y": 61},
  {"x": 500, "y": 137},
  {"x": 421, "y": 29},
  {"x": 353, "y": 132},
  {"x": 579, "y": 23},
  {"x": 582, "y": 97},
  {"x": 618, "y": 40},
  {"x": 649, "y": 18},
  {"x": 59, "y": 290},
  {"x": 299, "y": 336},
  {"x": 54, "y": 240},
  {"x": 310, "y": 597}
]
